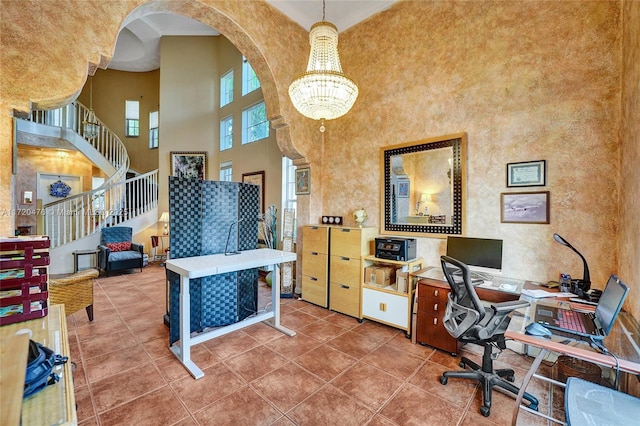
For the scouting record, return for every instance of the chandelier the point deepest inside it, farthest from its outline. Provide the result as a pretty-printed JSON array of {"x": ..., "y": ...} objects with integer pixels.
[
  {"x": 323, "y": 92},
  {"x": 90, "y": 126}
]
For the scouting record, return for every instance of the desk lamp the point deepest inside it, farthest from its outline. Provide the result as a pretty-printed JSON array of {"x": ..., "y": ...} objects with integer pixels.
[{"x": 580, "y": 287}]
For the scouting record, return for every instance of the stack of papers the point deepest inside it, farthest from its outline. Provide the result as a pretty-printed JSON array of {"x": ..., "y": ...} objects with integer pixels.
[{"x": 539, "y": 294}]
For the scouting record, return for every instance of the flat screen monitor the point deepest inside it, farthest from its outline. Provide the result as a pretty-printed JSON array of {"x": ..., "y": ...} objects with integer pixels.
[{"x": 480, "y": 254}]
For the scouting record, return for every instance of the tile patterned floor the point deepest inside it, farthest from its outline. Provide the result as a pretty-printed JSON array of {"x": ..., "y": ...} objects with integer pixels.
[{"x": 335, "y": 371}]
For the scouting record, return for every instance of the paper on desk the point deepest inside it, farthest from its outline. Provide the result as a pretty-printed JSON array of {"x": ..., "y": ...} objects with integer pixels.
[{"x": 538, "y": 294}]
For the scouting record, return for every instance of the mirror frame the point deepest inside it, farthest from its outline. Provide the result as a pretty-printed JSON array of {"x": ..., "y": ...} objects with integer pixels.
[{"x": 459, "y": 164}]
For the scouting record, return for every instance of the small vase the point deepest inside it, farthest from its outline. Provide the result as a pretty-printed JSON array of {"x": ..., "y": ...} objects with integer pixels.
[{"x": 359, "y": 216}]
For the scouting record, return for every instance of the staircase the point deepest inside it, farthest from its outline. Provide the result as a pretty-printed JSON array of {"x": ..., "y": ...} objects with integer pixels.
[{"x": 119, "y": 200}]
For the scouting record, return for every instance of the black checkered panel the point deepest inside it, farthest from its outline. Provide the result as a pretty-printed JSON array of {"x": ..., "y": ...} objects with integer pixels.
[
  {"x": 185, "y": 217},
  {"x": 201, "y": 214}
]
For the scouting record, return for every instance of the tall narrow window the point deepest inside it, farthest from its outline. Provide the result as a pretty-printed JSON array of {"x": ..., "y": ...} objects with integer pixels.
[
  {"x": 226, "y": 171},
  {"x": 226, "y": 133},
  {"x": 226, "y": 89},
  {"x": 289, "y": 199},
  {"x": 132, "y": 119},
  {"x": 153, "y": 129},
  {"x": 250, "y": 81},
  {"x": 254, "y": 123}
]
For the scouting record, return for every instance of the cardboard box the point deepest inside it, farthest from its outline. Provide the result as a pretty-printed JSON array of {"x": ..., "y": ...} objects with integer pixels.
[
  {"x": 370, "y": 274},
  {"x": 385, "y": 275}
]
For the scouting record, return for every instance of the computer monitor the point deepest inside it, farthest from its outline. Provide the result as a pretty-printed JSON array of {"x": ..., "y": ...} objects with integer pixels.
[
  {"x": 611, "y": 302},
  {"x": 480, "y": 254}
]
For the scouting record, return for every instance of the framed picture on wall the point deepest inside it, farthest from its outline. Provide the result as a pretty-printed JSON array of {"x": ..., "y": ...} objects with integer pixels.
[
  {"x": 524, "y": 207},
  {"x": 529, "y": 173},
  {"x": 403, "y": 189},
  {"x": 27, "y": 197},
  {"x": 189, "y": 164},
  {"x": 256, "y": 178},
  {"x": 303, "y": 181}
]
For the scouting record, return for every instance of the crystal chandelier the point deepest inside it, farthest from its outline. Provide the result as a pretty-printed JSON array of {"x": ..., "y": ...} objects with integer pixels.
[
  {"x": 90, "y": 126},
  {"x": 323, "y": 92}
]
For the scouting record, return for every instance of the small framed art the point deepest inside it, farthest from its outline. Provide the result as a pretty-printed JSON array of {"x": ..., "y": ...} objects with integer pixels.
[
  {"x": 529, "y": 173},
  {"x": 189, "y": 164},
  {"x": 403, "y": 189},
  {"x": 303, "y": 181},
  {"x": 524, "y": 207},
  {"x": 256, "y": 178}
]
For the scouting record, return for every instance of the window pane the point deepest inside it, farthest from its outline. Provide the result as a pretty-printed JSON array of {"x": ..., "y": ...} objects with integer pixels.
[
  {"x": 254, "y": 123},
  {"x": 153, "y": 119},
  {"x": 132, "y": 128},
  {"x": 226, "y": 133},
  {"x": 226, "y": 171},
  {"x": 132, "y": 110},
  {"x": 153, "y": 138},
  {"x": 250, "y": 81},
  {"x": 226, "y": 89}
]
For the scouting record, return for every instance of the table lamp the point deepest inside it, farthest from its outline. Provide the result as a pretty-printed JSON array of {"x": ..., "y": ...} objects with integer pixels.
[
  {"x": 164, "y": 217},
  {"x": 583, "y": 285}
]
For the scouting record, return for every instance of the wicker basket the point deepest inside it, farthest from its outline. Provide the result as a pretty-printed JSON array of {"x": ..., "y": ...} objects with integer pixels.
[
  {"x": 74, "y": 292},
  {"x": 572, "y": 367}
]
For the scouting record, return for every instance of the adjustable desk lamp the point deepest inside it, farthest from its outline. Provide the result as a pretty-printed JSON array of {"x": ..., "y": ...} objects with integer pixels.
[{"x": 579, "y": 287}]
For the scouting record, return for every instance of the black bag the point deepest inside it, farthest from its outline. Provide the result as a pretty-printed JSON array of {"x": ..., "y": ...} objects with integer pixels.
[{"x": 40, "y": 363}]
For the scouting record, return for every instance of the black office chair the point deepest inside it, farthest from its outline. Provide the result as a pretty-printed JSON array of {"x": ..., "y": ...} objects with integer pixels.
[{"x": 469, "y": 321}]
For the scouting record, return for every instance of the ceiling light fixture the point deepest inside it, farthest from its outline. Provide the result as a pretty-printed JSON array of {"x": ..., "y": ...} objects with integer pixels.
[
  {"x": 90, "y": 126},
  {"x": 323, "y": 92}
]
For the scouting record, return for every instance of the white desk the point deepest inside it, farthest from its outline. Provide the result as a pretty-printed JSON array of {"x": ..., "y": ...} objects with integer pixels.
[{"x": 204, "y": 266}]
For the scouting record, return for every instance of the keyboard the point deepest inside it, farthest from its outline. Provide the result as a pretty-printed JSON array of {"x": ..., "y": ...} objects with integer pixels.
[{"x": 571, "y": 320}]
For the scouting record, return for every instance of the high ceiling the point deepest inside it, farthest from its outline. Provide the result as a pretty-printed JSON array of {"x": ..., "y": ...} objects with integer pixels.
[{"x": 138, "y": 44}]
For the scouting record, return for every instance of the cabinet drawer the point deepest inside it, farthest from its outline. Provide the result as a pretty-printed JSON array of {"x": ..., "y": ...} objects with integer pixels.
[
  {"x": 345, "y": 270},
  {"x": 348, "y": 242},
  {"x": 389, "y": 308},
  {"x": 315, "y": 265},
  {"x": 315, "y": 238},
  {"x": 345, "y": 298},
  {"x": 314, "y": 291}
]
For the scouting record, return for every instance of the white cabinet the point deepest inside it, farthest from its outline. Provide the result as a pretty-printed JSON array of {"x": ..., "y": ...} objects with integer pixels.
[{"x": 388, "y": 303}]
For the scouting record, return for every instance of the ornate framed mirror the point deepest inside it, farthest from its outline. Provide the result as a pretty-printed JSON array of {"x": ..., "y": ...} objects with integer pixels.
[{"x": 423, "y": 187}]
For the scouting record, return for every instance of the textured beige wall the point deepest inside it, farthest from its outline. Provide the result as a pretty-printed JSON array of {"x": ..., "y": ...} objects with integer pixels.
[
  {"x": 525, "y": 81},
  {"x": 111, "y": 89},
  {"x": 629, "y": 234}
]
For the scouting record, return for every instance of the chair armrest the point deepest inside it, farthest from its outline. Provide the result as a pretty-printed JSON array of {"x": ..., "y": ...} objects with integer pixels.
[
  {"x": 137, "y": 247},
  {"x": 509, "y": 306}
]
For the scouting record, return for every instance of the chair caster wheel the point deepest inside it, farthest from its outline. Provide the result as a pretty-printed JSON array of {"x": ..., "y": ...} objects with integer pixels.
[
  {"x": 443, "y": 380},
  {"x": 462, "y": 365},
  {"x": 510, "y": 379},
  {"x": 485, "y": 411},
  {"x": 533, "y": 407}
]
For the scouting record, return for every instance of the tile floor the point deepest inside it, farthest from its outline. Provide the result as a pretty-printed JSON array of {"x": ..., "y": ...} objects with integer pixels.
[{"x": 335, "y": 371}]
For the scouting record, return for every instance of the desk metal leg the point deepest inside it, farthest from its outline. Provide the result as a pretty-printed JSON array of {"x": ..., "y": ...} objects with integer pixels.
[
  {"x": 525, "y": 382},
  {"x": 183, "y": 351},
  {"x": 275, "y": 303}
]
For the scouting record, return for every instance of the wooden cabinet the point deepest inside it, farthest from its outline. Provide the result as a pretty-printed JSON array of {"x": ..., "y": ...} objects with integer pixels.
[
  {"x": 315, "y": 264},
  {"x": 345, "y": 267},
  {"x": 388, "y": 303},
  {"x": 432, "y": 297}
]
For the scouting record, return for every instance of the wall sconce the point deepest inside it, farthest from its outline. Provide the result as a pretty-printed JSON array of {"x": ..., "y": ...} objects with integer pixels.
[
  {"x": 62, "y": 154},
  {"x": 424, "y": 197},
  {"x": 164, "y": 217}
]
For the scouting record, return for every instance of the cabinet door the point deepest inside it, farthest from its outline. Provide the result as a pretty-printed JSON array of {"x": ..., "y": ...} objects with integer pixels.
[
  {"x": 315, "y": 239},
  {"x": 314, "y": 291},
  {"x": 392, "y": 309},
  {"x": 345, "y": 298},
  {"x": 347, "y": 242},
  {"x": 314, "y": 264}
]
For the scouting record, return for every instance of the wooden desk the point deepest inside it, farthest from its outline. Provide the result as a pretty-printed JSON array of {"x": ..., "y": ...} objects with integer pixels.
[
  {"x": 620, "y": 341},
  {"x": 55, "y": 405},
  {"x": 203, "y": 266}
]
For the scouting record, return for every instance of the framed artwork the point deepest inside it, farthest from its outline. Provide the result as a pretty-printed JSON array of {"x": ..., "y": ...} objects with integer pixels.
[
  {"x": 303, "y": 181},
  {"x": 27, "y": 197},
  {"x": 403, "y": 189},
  {"x": 189, "y": 164},
  {"x": 256, "y": 178},
  {"x": 524, "y": 207},
  {"x": 529, "y": 173}
]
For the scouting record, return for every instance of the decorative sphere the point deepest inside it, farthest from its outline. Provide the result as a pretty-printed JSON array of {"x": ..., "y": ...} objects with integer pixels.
[{"x": 268, "y": 279}]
